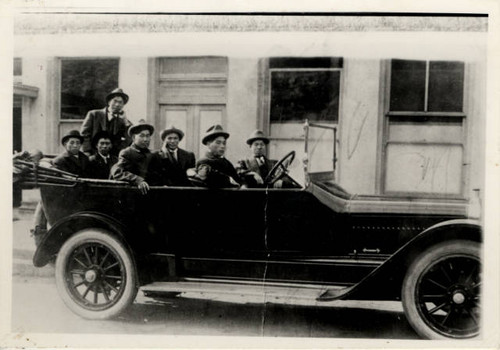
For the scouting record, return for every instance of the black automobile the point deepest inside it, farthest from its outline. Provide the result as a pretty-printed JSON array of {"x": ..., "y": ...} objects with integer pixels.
[{"x": 314, "y": 240}]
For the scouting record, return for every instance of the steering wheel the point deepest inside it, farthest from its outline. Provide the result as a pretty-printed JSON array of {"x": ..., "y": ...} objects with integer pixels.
[{"x": 279, "y": 169}]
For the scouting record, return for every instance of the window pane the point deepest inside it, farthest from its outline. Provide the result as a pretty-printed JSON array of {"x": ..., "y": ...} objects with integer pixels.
[
  {"x": 306, "y": 62},
  {"x": 18, "y": 67},
  {"x": 85, "y": 84},
  {"x": 297, "y": 95},
  {"x": 193, "y": 65},
  {"x": 407, "y": 85},
  {"x": 446, "y": 86}
]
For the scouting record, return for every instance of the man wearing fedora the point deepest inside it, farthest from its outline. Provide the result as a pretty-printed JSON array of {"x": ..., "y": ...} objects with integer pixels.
[
  {"x": 101, "y": 162},
  {"x": 254, "y": 170},
  {"x": 111, "y": 119},
  {"x": 72, "y": 160},
  {"x": 221, "y": 171},
  {"x": 174, "y": 161},
  {"x": 133, "y": 161}
]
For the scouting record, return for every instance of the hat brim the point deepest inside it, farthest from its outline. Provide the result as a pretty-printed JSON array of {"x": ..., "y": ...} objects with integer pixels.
[
  {"x": 251, "y": 140},
  {"x": 114, "y": 94},
  {"x": 164, "y": 133},
  {"x": 210, "y": 137},
  {"x": 63, "y": 140},
  {"x": 135, "y": 129}
]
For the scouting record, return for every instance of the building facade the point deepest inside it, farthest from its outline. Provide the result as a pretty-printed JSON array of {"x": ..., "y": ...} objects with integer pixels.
[{"x": 407, "y": 96}]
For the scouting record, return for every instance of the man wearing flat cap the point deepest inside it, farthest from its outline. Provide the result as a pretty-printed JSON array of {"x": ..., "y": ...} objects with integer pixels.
[
  {"x": 254, "y": 170},
  {"x": 111, "y": 119},
  {"x": 173, "y": 161},
  {"x": 221, "y": 172},
  {"x": 133, "y": 161},
  {"x": 72, "y": 160},
  {"x": 101, "y": 162}
]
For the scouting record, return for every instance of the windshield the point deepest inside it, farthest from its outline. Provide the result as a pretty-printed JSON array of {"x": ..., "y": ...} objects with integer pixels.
[{"x": 320, "y": 147}]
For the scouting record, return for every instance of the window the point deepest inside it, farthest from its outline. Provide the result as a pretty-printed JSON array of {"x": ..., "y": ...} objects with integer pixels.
[
  {"x": 423, "y": 141},
  {"x": 435, "y": 86},
  {"x": 304, "y": 88},
  {"x": 18, "y": 67},
  {"x": 85, "y": 84}
]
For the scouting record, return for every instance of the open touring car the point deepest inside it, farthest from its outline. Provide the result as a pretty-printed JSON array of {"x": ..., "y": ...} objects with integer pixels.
[{"x": 314, "y": 240}]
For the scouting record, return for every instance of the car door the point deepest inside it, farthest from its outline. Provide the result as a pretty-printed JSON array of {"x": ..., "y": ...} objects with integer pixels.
[
  {"x": 308, "y": 241},
  {"x": 222, "y": 234}
]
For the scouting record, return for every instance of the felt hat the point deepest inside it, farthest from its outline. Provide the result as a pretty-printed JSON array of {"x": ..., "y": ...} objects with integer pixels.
[
  {"x": 213, "y": 132},
  {"x": 72, "y": 134},
  {"x": 141, "y": 125},
  {"x": 117, "y": 92},
  {"x": 257, "y": 135},
  {"x": 171, "y": 130},
  {"x": 100, "y": 135}
]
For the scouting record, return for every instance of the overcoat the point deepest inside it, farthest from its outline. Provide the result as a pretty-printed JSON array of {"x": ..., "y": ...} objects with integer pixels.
[
  {"x": 98, "y": 168},
  {"x": 132, "y": 166},
  {"x": 71, "y": 164},
  {"x": 96, "y": 121},
  {"x": 171, "y": 171},
  {"x": 221, "y": 170}
]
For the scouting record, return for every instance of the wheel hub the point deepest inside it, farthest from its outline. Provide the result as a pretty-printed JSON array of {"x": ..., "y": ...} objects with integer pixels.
[
  {"x": 91, "y": 276},
  {"x": 458, "y": 297}
]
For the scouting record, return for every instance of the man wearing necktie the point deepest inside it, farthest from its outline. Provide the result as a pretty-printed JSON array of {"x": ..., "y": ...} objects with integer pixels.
[
  {"x": 111, "y": 119},
  {"x": 255, "y": 169},
  {"x": 173, "y": 161},
  {"x": 101, "y": 162}
]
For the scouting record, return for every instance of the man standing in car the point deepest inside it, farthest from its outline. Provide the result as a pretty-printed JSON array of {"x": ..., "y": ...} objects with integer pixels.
[
  {"x": 101, "y": 162},
  {"x": 174, "y": 161},
  {"x": 111, "y": 119},
  {"x": 133, "y": 161}
]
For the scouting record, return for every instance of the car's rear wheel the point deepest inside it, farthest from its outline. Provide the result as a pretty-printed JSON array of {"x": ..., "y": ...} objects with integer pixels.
[
  {"x": 95, "y": 274},
  {"x": 441, "y": 291}
]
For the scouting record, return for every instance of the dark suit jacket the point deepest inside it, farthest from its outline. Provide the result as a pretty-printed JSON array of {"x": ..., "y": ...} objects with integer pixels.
[
  {"x": 172, "y": 172},
  {"x": 248, "y": 165},
  {"x": 98, "y": 168},
  {"x": 71, "y": 164},
  {"x": 96, "y": 121},
  {"x": 132, "y": 165},
  {"x": 221, "y": 170}
]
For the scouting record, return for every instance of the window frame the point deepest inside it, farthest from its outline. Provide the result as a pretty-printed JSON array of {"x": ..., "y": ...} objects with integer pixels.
[
  {"x": 426, "y": 116},
  {"x": 60, "y": 63},
  {"x": 269, "y": 88}
]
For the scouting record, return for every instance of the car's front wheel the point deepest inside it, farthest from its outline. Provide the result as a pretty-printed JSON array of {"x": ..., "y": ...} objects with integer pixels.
[
  {"x": 441, "y": 291},
  {"x": 95, "y": 274}
]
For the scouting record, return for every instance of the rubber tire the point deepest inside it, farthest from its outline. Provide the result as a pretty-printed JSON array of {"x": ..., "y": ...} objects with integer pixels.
[
  {"x": 417, "y": 267},
  {"x": 105, "y": 238}
]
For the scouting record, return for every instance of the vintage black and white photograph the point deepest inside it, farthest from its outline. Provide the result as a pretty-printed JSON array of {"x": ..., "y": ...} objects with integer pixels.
[{"x": 243, "y": 177}]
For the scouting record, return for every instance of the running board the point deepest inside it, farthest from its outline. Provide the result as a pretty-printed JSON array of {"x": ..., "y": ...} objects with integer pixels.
[{"x": 309, "y": 292}]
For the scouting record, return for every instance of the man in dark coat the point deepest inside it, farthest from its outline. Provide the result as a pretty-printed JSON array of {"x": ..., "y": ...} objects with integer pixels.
[
  {"x": 72, "y": 160},
  {"x": 254, "y": 170},
  {"x": 221, "y": 171},
  {"x": 174, "y": 161},
  {"x": 133, "y": 161},
  {"x": 111, "y": 119},
  {"x": 101, "y": 162}
]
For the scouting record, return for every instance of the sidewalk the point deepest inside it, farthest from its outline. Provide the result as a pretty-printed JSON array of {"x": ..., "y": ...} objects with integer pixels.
[{"x": 23, "y": 244}]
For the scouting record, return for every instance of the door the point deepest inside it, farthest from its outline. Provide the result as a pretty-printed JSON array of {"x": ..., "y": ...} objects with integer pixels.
[{"x": 194, "y": 120}]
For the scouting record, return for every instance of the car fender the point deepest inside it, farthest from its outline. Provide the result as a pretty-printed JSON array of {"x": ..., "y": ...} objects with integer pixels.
[
  {"x": 65, "y": 228},
  {"x": 384, "y": 283}
]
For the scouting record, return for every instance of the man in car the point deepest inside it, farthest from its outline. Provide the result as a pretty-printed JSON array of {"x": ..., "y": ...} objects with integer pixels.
[
  {"x": 221, "y": 171},
  {"x": 133, "y": 161},
  {"x": 254, "y": 170},
  {"x": 72, "y": 160},
  {"x": 112, "y": 119},
  {"x": 101, "y": 162},
  {"x": 174, "y": 161}
]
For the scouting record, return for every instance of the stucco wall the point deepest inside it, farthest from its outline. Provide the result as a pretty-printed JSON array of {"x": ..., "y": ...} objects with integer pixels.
[
  {"x": 132, "y": 78},
  {"x": 358, "y": 126},
  {"x": 241, "y": 104},
  {"x": 34, "y": 123}
]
